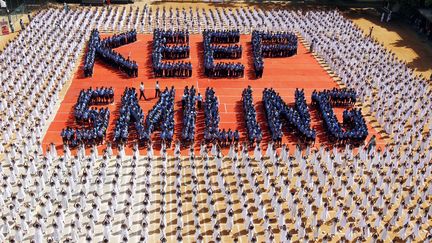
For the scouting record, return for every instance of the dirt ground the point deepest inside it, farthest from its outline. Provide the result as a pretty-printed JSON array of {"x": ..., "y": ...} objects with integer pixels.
[{"x": 398, "y": 37}]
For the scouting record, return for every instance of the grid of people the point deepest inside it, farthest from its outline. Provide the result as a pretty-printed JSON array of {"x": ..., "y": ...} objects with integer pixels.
[
  {"x": 103, "y": 50},
  {"x": 163, "y": 51},
  {"x": 212, "y": 52},
  {"x": 98, "y": 119}
]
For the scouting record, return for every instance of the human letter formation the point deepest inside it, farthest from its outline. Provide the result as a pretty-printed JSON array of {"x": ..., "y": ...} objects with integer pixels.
[
  {"x": 270, "y": 45},
  {"x": 352, "y": 119},
  {"x": 103, "y": 50},
  {"x": 130, "y": 113},
  {"x": 212, "y": 133},
  {"x": 278, "y": 114},
  {"x": 98, "y": 119},
  {"x": 222, "y": 69},
  {"x": 189, "y": 114},
  {"x": 253, "y": 129},
  {"x": 160, "y": 117},
  {"x": 162, "y": 51}
]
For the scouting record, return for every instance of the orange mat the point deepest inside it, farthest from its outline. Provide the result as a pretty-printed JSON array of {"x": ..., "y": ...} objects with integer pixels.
[{"x": 283, "y": 74}]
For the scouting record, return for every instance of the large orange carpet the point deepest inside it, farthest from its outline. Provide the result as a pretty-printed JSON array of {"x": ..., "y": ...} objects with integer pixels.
[{"x": 283, "y": 74}]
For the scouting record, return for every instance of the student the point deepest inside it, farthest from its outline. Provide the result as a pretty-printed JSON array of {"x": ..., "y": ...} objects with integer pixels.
[
  {"x": 199, "y": 100},
  {"x": 142, "y": 94},
  {"x": 157, "y": 90},
  {"x": 372, "y": 143}
]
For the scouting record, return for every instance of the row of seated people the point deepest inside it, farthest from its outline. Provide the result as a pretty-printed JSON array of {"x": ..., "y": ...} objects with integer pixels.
[
  {"x": 118, "y": 40},
  {"x": 223, "y": 36},
  {"x": 189, "y": 114},
  {"x": 250, "y": 116},
  {"x": 130, "y": 113},
  {"x": 91, "y": 53},
  {"x": 103, "y": 49},
  {"x": 162, "y": 51},
  {"x": 354, "y": 128},
  {"x": 222, "y": 69},
  {"x": 278, "y": 114},
  {"x": 173, "y": 36},
  {"x": 227, "y": 52}
]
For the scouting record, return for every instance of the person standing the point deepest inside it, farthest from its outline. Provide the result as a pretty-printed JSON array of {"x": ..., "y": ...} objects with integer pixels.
[
  {"x": 372, "y": 143},
  {"x": 311, "y": 48},
  {"x": 370, "y": 31},
  {"x": 142, "y": 94},
  {"x": 157, "y": 89},
  {"x": 199, "y": 101}
]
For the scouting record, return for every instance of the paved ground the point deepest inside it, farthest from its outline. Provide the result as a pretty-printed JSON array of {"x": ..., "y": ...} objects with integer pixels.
[{"x": 285, "y": 75}]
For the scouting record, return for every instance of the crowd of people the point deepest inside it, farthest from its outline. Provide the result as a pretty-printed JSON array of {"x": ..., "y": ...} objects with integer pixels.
[
  {"x": 279, "y": 37},
  {"x": 189, "y": 101},
  {"x": 211, "y": 114},
  {"x": 118, "y": 61},
  {"x": 162, "y": 51},
  {"x": 93, "y": 122},
  {"x": 90, "y": 97},
  {"x": 258, "y": 58},
  {"x": 130, "y": 113},
  {"x": 283, "y": 194},
  {"x": 175, "y": 52},
  {"x": 161, "y": 117},
  {"x": 174, "y": 37},
  {"x": 278, "y": 44},
  {"x": 278, "y": 114},
  {"x": 278, "y": 50},
  {"x": 223, "y": 36},
  {"x": 118, "y": 40},
  {"x": 212, "y": 133},
  {"x": 355, "y": 125},
  {"x": 222, "y": 69},
  {"x": 253, "y": 129},
  {"x": 227, "y": 52},
  {"x": 271, "y": 45},
  {"x": 90, "y": 56},
  {"x": 103, "y": 49}
]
